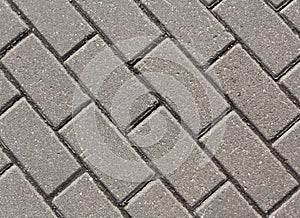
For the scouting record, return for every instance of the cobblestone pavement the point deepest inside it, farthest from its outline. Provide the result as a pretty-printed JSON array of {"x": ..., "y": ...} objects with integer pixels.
[{"x": 147, "y": 108}]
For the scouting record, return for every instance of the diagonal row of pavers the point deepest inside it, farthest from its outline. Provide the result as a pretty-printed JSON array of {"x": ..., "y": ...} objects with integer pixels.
[{"x": 253, "y": 85}]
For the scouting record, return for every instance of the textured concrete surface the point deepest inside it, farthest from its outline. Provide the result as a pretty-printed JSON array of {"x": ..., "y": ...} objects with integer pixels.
[{"x": 147, "y": 108}]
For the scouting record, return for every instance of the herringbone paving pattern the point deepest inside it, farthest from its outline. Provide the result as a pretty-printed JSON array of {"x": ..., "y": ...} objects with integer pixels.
[{"x": 147, "y": 108}]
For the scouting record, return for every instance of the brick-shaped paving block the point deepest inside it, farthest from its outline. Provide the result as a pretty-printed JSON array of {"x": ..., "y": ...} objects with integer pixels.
[
  {"x": 176, "y": 155},
  {"x": 253, "y": 92},
  {"x": 10, "y": 24},
  {"x": 58, "y": 21},
  {"x": 262, "y": 30},
  {"x": 111, "y": 82},
  {"x": 123, "y": 22},
  {"x": 155, "y": 201},
  {"x": 292, "y": 81},
  {"x": 18, "y": 197},
  {"x": 289, "y": 146},
  {"x": 106, "y": 151},
  {"x": 84, "y": 199},
  {"x": 249, "y": 161},
  {"x": 46, "y": 81},
  {"x": 197, "y": 29},
  {"x": 3, "y": 160},
  {"x": 36, "y": 147},
  {"x": 7, "y": 90},
  {"x": 183, "y": 86},
  {"x": 289, "y": 209},
  {"x": 292, "y": 12},
  {"x": 226, "y": 202}
]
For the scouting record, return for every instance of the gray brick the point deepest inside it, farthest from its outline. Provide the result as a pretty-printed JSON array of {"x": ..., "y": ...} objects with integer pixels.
[
  {"x": 106, "y": 151},
  {"x": 262, "y": 30},
  {"x": 7, "y": 90},
  {"x": 46, "y": 81},
  {"x": 114, "y": 85},
  {"x": 3, "y": 159},
  {"x": 36, "y": 146},
  {"x": 289, "y": 209},
  {"x": 183, "y": 86},
  {"x": 197, "y": 29},
  {"x": 155, "y": 201},
  {"x": 19, "y": 199},
  {"x": 176, "y": 155},
  {"x": 58, "y": 21},
  {"x": 250, "y": 162},
  {"x": 288, "y": 146},
  {"x": 123, "y": 22},
  {"x": 253, "y": 92},
  {"x": 84, "y": 199},
  {"x": 11, "y": 26},
  {"x": 292, "y": 81},
  {"x": 292, "y": 11},
  {"x": 226, "y": 202}
]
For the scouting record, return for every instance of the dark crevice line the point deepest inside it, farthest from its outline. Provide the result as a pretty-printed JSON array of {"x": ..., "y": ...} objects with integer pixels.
[
  {"x": 5, "y": 168},
  {"x": 289, "y": 94},
  {"x": 289, "y": 23},
  {"x": 78, "y": 46},
  {"x": 12, "y": 43},
  {"x": 283, "y": 200},
  {"x": 65, "y": 184},
  {"x": 283, "y": 5},
  {"x": 10, "y": 103},
  {"x": 287, "y": 68},
  {"x": 29, "y": 178},
  {"x": 278, "y": 7},
  {"x": 209, "y": 194},
  {"x": 212, "y": 4}
]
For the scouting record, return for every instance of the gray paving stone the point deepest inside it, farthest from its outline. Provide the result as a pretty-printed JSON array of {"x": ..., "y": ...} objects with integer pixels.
[
  {"x": 58, "y": 21},
  {"x": 226, "y": 202},
  {"x": 84, "y": 199},
  {"x": 44, "y": 79},
  {"x": 106, "y": 151},
  {"x": 123, "y": 22},
  {"x": 111, "y": 82},
  {"x": 19, "y": 199},
  {"x": 36, "y": 146},
  {"x": 292, "y": 11},
  {"x": 277, "y": 2},
  {"x": 155, "y": 201},
  {"x": 250, "y": 162},
  {"x": 183, "y": 86},
  {"x": 3, "y": 159},
  {"x": 197, "y": 29},
  {"x": 7, "y": 90},
  {"x": 289, "y": 209},
  {"x": 288, "y": 146},
  {"x": 10, "y": 24},
  {"x": 176, "y": 155},
  {"x": 292, "y": 81},
  {"x": 262, "y": 30},
  {"x": 253, "y": 92}
]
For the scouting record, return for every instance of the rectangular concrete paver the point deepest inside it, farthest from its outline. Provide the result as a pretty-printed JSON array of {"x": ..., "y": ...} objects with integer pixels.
[
  {"x": 253, "y": 92},
  {"x": 249, "y": 161},
  {"x": 292, "y": 81},
  {"x": 289, "y": 209},
  {"x": 123, "y": 22},
  {"x": 84, "y": 199},
  {"x": 58, "y": 21},
  {"x": 18, "y": 197},
  {"x": 289, "y": 146},
  {"x": 155, "y": 201},
  {"x": 36, "y": 147},
  {"x": 106, "y": 151},
  {"x": 226, "y": 202},
  {"x": 7, "y": 90},
  {"x": 197, "y": 29},
  {"x": 10, "y": 24},
  {"x": 292, "y": 12},
  {"x": 111, "y": 82},
  {"x": 3, "y": 160},
  {"x": 184, "y": 88},
  {"x": 44, "y": 79},
  {"x": 262, "y": 30},
  {"x": 176, "y": 155}
]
